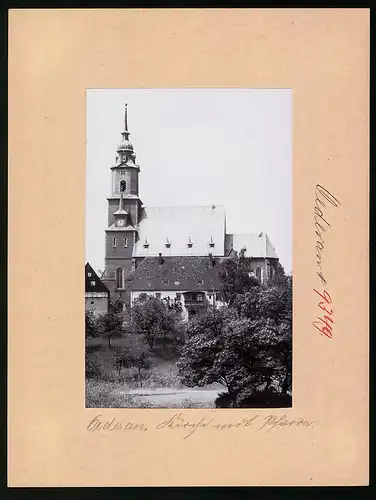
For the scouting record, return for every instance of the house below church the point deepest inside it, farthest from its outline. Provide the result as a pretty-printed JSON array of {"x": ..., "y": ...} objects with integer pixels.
[
  {"x": 97, "y": 295},
  {"x": 188, "y": 280}
]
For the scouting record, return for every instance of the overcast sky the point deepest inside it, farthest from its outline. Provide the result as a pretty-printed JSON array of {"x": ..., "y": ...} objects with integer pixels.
[{"x": 229, "y": 147}]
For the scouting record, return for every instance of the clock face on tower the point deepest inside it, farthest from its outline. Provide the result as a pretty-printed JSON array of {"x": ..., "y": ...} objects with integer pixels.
[{"x": 120, "y": 222}]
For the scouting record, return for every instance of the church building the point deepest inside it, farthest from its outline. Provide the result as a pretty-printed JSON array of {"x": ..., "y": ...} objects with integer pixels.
[{"x": 169, "y": 252}]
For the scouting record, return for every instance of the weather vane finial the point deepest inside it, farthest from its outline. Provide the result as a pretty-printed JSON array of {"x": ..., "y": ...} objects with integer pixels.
[{"x": 126, "y": 116}]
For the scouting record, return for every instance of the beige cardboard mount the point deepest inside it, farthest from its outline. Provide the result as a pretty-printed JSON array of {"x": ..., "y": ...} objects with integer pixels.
[{"x": 54, "y": 56}]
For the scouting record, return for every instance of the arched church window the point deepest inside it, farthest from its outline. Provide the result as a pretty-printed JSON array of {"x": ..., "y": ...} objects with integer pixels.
[
  {"x": 119, "y": 278},
  {"x": 258, "y": 273},
  {"x": 123, "y": 185}
]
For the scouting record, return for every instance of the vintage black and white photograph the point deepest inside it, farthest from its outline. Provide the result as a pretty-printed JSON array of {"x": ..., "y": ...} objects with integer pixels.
[{"x": 188, "y": 266}]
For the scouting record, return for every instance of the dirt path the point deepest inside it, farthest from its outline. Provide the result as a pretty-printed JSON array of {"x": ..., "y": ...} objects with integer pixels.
[{"x": 176, "y": 398}]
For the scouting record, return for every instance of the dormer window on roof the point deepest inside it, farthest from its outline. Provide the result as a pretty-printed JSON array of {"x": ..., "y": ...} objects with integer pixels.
[
  {"x": 190, "y": 243},
  {"x": 211, "y": 242},
  {"x": 165, "y": 281},
  {"x": 167, "y": 244},
  {"x": 200, "y": 281},
  {"x": 146, "y": 244}
]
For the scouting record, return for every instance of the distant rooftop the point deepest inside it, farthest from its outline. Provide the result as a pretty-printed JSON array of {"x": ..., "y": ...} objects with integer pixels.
[{"x": 256, "y": 245}]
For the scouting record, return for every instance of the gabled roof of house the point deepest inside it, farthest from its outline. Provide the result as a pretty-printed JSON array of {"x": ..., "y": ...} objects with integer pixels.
[
  {"x": 257, "y": 245},
  {"x": 92, "y": 277},
  {"x": 184, "y": 273},
  {"x": 202, "y": 226}
]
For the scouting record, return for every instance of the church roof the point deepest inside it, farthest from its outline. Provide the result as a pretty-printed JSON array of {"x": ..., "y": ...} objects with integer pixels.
[
  {"x": 257, "y": 245},
  {"x": 92, "y": 281},
  {"x": 182, "y": 273},
  {"x": 189, "y": 230}
]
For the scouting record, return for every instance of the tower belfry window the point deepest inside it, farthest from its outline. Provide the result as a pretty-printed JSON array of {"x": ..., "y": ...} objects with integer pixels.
[
  {"x": 123, "y": 186},
  {"x": 119, "y": 278}
]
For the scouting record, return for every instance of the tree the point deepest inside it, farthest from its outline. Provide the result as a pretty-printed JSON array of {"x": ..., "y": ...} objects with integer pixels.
[
  {"x": 236, "y": 277},
  {"x": 273, "y": 303},
  {"x": 91, "y": 326},
  {"x": 152, "y": 318},
  {"x": 279, "y": 276},
  {"x": 201, "y": 361},
  {"x": 110, "y": 325},
  {"x": 247, "y": 347},
  {"x": 140, "y": 359}
]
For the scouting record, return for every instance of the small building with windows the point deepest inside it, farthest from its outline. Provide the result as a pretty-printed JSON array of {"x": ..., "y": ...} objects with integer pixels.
[{"x": 97, "y": 295}]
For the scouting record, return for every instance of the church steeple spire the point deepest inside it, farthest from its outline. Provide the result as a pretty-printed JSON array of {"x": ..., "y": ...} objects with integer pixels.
[
  {"x": 125, "y": 132},
  {"x": 125, "y": 152},
  {"x": 126, "y": 116}
]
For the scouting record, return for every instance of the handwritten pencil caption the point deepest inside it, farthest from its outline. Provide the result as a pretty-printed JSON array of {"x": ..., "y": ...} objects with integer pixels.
[{"x": 178, "y": 421}]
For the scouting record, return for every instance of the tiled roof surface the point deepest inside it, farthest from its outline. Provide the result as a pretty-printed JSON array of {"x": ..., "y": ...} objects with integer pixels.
[
  {"x": 91, "y": 276},
  {"x": 175, "y": 273},
  {"x": 257, "y": 245},
  {"x": 178, "y": 225}
]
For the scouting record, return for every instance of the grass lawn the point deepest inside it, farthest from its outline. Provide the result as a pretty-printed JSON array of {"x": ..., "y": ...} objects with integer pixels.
[
  {"x": 103, "y": 394},
  {"x": 110, "y": 389},
  {"x": 162, "y": 371}
]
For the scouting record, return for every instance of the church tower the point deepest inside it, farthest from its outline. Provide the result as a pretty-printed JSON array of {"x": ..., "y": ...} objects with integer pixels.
[{"x": 124, "y": 209}]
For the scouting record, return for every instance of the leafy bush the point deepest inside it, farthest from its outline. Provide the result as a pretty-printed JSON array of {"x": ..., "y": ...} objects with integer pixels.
[
  {"x": 254, "y": 399},
  {"x": 91, "y": 325},
  {"x": 93, "y": 365}
]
